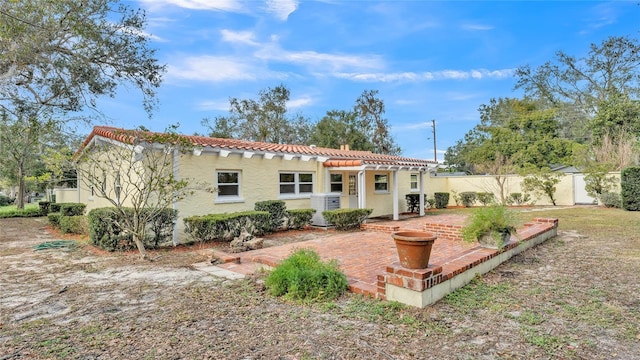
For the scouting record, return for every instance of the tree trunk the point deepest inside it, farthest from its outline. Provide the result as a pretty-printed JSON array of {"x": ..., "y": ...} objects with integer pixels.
[
  {"x": 141, "y": 249},
  {"x": 20, "y": 195}
]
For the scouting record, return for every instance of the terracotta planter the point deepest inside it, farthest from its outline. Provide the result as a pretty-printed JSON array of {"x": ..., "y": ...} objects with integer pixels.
[{"x": 414, "y": 248}]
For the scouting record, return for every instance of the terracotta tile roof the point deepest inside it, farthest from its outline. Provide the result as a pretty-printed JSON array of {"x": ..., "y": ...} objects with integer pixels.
[{"x": 336, "y": 157}]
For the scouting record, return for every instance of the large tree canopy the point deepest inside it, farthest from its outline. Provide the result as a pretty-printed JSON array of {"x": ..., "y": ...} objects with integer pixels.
[
  {"x": 64, "y": 54},
  {"x": 370, "y": 110},
  {"x": 264, "y": 120},
  {"x": 518, "y": 131},
  {"x": 590, "y": 89},
  {"x": 338, "y": 128},
  {"x": 58, "y": 57}
]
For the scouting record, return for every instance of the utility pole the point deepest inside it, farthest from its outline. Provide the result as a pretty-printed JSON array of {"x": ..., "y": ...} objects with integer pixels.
[{"x": 435, "y": 155}]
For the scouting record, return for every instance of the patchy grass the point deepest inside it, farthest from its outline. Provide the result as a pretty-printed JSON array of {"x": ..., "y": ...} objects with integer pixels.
[{"x": 573, "y": 297}]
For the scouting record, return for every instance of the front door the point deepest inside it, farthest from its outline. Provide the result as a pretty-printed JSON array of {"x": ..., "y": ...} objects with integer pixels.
[{"x": 353, "y": 191}]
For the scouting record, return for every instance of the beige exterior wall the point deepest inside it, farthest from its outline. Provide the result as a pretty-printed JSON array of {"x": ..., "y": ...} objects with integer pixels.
[
  {"x": 486, "y": 183},
  {"x": 64, "y": 195},
  {"x": 259, "y": 181}
]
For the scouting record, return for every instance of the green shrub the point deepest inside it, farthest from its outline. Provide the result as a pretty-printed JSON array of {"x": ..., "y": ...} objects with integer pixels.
[
  {"x": 441, "y": 199},
  {"x": 344, "y": 219},
  {"x": 73, "y": 224},
  {"x": 468, "y": 198},
  {"x": 299, "y": 218},
  {"x": 486, "y": 198},
  {"x": 611, "y": 200},
  {"x": 104, "y": 232},
  {"x": 72, "y": 209},
  {"x": 224, "y": 227},
  {"x": 630, "y": 188},
  {"x": 44, "y": 207},
  {"x": 4, "y": 200},
  {"x": 54, "y": 219},
  {"x": 31, "y": 211},
  {"x": 518, "y": 199},
  {"x": 303, "y": 276},
  {"x": 55, "y": 207},
  {"x": 162, "y": 225},
  {"x": 429, "y": 203},
  {"x": 277, "y": 210}
]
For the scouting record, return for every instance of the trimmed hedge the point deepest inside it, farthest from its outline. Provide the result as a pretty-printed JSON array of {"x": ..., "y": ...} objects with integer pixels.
[
  {"x": 44, "y": 207},
  {"x": 72, "y": 209},
  {"x": 486, "y": 198},
  {"x": 224, "y": 227},
  {"x": 27, "y": 212},
  {"x": 4, "y": 200},
  {"x": 54, "y": 219},
  {"x": 518, "y": 198},
  {"x": 104, "y": 233},
  {"x": 299, "y": 218},
  {"x": 55, "y": 207},
  {"x": 442, "y": 199},
  {"x": 611, "y": 200},
  {"x": 73, "y": 224},
  {"x": 344, "y": 219},
  {"x": 630, "y": 188},
  {"x": 277, "y": 210},
  {"x": 468, "y": 198}
]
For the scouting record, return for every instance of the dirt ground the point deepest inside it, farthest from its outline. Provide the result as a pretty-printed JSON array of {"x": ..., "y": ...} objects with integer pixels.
[{"x": 575, "y": 297}]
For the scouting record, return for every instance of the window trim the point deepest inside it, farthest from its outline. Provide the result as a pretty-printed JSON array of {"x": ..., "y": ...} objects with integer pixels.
[
  {"x": 417, "y": 188},
  {"x": 222, "y": 199},
  {"x": 296, "y": 185},
  {"x": 375, "y": 182},
  {"x": 341, "y": 182}
]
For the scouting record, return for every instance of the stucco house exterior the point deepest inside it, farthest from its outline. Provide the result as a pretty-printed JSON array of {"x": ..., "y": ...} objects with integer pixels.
[{"x": 244, "y": 172}]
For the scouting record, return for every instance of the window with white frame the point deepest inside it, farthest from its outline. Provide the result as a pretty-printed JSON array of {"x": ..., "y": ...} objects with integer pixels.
[
  {"x": 335, "y": 183},
  {"x": 381, "y": 182},
  {"x": 414, "y": 182},
  {"x": 296, "y": 183},
  {"x": 228, "y": 183}
]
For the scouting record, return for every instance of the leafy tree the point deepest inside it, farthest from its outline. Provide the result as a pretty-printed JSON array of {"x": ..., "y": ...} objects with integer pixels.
[
  {"x": 521, "y": 132},
  {"x": 340, "y": 127},
  {"x": 542, "y": 182},
  {"x": 137, "y": 175},
  {"x": 59, "y": 57},
  {"x": 64, "y": 54},
  {"x": 370, "y": 110},
  {"x": 22, "y": 140},
  {"x": 606, "y": 77},
  {"x": 263, "y": 120}
]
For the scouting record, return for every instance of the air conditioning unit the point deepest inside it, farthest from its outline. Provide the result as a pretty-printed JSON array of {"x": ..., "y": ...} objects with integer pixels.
[{"x": 323, "y": 202}]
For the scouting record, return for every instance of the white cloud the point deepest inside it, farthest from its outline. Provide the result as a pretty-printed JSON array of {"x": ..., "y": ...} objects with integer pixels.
[
  {"x": 425, "y": 76},
  {"x": 333, "y": 62},
  {"x": 218, "y": 105},
  {"x": 477, "y": 27},
  {"x": 282, "y": 8},
  {"x": 209, "y": 68},
  {"x": 212, "y": 68},
  {"x": 299, "y": 102},
  {"x": 217, "y": 5},
  {"x": 243, "y": 37}
]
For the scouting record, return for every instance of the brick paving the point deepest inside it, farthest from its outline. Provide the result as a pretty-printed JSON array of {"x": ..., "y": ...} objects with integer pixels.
[
  {"x": 362, "y": 255},
  {"x": 365, "y": 256}
]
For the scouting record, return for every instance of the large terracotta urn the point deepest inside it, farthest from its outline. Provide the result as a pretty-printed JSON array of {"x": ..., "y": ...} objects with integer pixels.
[{"x": 414, "y": 248}]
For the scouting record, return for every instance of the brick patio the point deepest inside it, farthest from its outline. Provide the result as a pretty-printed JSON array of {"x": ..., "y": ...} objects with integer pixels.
[{"x": 369, "y": 259}]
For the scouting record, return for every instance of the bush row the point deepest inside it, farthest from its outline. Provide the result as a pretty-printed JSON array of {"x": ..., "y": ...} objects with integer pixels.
[
  {"x": 344, "y": 219},
  {"x": 224, "y": 227},
  {"x": 630, "y": 188},
  {"x": 106, "y": 234}
]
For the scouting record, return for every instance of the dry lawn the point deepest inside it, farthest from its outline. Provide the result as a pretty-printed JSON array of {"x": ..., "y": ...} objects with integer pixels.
[{"x": 575, "y": 297}]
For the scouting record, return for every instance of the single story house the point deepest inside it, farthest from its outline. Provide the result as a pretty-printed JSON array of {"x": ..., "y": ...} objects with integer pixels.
[{"x": 244, "y": 172}]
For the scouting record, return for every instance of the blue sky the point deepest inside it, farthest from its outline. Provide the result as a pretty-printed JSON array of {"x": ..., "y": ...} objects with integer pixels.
[{"x": 428, "y": 60}]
